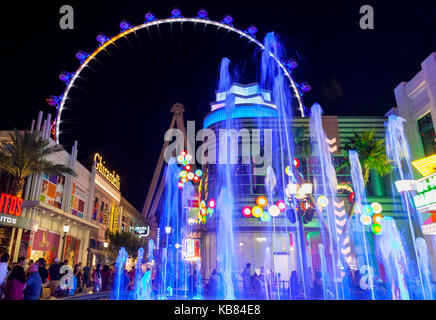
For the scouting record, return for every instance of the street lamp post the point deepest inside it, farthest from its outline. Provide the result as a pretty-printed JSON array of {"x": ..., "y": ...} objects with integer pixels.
[
  {"x": 105, "y": 245},
  {"x": 66, "y": 229}
]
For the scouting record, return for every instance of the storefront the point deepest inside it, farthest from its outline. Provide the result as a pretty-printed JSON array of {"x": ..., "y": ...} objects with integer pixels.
[
  {"x": 425, "y": 203},
  {"x": 13, "y": 224}
]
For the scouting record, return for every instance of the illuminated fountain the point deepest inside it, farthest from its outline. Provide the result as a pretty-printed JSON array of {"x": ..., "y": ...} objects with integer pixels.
[
  {"x": 359, "y": 224},
  {"x": 118, "y": 291},
  {"x": 225, "y": 169},
  {"x": 325, "y": 183},
  {"x": 397, "y": 151}
]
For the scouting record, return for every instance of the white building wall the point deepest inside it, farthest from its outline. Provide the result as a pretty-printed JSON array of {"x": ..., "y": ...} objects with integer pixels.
[{"x": 415, "y": 99}]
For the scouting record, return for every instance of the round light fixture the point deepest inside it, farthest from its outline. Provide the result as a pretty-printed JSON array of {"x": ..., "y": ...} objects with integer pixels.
[
  {"x": 261, "y": 201},
  {"x": 376, "y": 207},
  {"x": 265, "y": 217},
  {"x": 288, "y": 171},
  {"x": 274, "y": 211},
  {"x": 257, "y": 211},
  {"x": 377, "y": 218},
  {"x": 322, "y": 201},
  {"x": 367, "y": 210},
  {"x": 376, "y": 228},
  {"x": 366, "y": 220},
  {"x": 198, "y": 172},
  {"x": 212, "y": 203},
  {"x": 246, "y": 212},
  {"x": 281, "y": 204}
]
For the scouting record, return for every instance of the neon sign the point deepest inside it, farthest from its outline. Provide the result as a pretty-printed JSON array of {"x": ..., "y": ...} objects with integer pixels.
[
  {"x": 10, "y": 204},
  {"x": 426, "y": 192},
  {"x": 112, "y": 177}
]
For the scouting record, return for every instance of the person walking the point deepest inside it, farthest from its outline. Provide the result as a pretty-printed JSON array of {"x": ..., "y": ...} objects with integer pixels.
[
  {"x": 106, "y": 278},
  {"x": 294, "y": 286},
  {"x": 247, "y": 280},
  {"x": 78, "y": 275},
  {"x": 55, "y": 276},
  {"x": 86, "y": 273},
  {"x": 43, "y": 273},
  {"x": 96, "y": 278},
  {"x": 15, "y": 284},
  {"x": 3, "y": 271},
  {"x": 317, "y": 290},
  {"x": 34, "y": 283}
]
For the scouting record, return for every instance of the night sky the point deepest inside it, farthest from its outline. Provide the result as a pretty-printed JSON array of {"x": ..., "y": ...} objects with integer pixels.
[{"x": 120, "y": 107}]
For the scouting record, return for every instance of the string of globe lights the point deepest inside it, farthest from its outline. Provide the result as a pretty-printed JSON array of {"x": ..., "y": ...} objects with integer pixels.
[
  {"x": 151, "y": 20},
  {"x": 187, "y": 175},
  {"x": 368, "y": 214}
]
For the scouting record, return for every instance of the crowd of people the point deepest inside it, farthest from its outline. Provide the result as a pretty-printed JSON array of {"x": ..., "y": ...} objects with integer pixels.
[{"x": 26, "y": 280}]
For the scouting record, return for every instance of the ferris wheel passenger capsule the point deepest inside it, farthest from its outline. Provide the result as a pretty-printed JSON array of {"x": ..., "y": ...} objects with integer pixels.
[
  {"x": 202, "y": 14},
  {"x": 102, "y": 38},
  {"x": 305, "y": 87},
  {"x": 251, "y": 31},
  {"x": 66, "y": 77},
  {"x": 291, "y": 65},
  {"x": 150, "y": 17},
  {"x": 176, "y": 13},
  {"x": 228, "y": 20},
  {"x": 54, "y": 101},
  {"x": 82, "y": 56},
  {"x": 125, "y": 25}
]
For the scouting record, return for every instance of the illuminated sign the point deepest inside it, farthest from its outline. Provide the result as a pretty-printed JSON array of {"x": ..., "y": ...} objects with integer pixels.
[
  {"x": 426, "y": 192},
  {"x": 115, "y": 221},
  {"x": 10, "y": 204},
  {"x": 142, "y": 231},
  {"x": 426, "y": 166},
  {"x": 112, "y": 177},
  {"x": 191, "y": 249}
]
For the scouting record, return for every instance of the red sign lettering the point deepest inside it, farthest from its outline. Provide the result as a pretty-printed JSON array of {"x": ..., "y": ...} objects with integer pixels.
[{"x": 10, "y": 204}]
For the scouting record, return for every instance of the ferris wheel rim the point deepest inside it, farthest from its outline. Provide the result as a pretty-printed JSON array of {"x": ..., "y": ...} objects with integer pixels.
[{"x": 165, "y": 21}]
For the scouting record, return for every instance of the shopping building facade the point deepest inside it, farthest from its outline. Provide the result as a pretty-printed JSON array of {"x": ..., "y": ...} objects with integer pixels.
[
  {"x": 252, "y": 237},
  {"x": 416, "y": 103},
  {"x": 65, "y": 217}
]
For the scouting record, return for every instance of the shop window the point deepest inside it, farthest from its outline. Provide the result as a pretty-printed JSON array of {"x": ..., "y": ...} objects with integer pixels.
[{"x": 427, "y": 133}]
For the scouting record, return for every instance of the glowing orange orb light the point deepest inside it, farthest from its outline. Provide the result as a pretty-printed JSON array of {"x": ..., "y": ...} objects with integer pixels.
[{"x": 261, "y": 201}]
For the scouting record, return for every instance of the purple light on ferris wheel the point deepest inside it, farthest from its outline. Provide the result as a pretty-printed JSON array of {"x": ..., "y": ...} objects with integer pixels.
[
  {"x": 125, "y": 25},
  {"x": 150, "y": 17},
  {"x": 176, "y": 13},
  {"x": 66, "y": 77},
  {"x": 251, "y": 31},
  {"x": 82, "y": 56},
  {"x": 54, "y": 101},
  {"x": 102, "y": 38},
  {"x": 228, "y": 20},
  {"x": 290, "y": 65},
  {"x": 202, "y": 14},
  {"x": 304, "y": 87}
]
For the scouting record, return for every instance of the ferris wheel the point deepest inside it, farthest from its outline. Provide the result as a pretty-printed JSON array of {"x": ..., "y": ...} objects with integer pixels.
[{"x": 86, "y": 59}]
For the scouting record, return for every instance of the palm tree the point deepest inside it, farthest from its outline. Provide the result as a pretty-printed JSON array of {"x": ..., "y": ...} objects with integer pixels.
[
  {"x": 25, "y": 155},
  {"x": 372, "y": 154}
]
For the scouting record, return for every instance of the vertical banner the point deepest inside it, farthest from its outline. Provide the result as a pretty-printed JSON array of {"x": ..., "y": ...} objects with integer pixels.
[{"x": 116, "y": 219}]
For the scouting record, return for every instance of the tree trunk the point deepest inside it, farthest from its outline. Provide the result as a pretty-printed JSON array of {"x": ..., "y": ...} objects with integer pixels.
[{"x": 17, "y": 187}]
